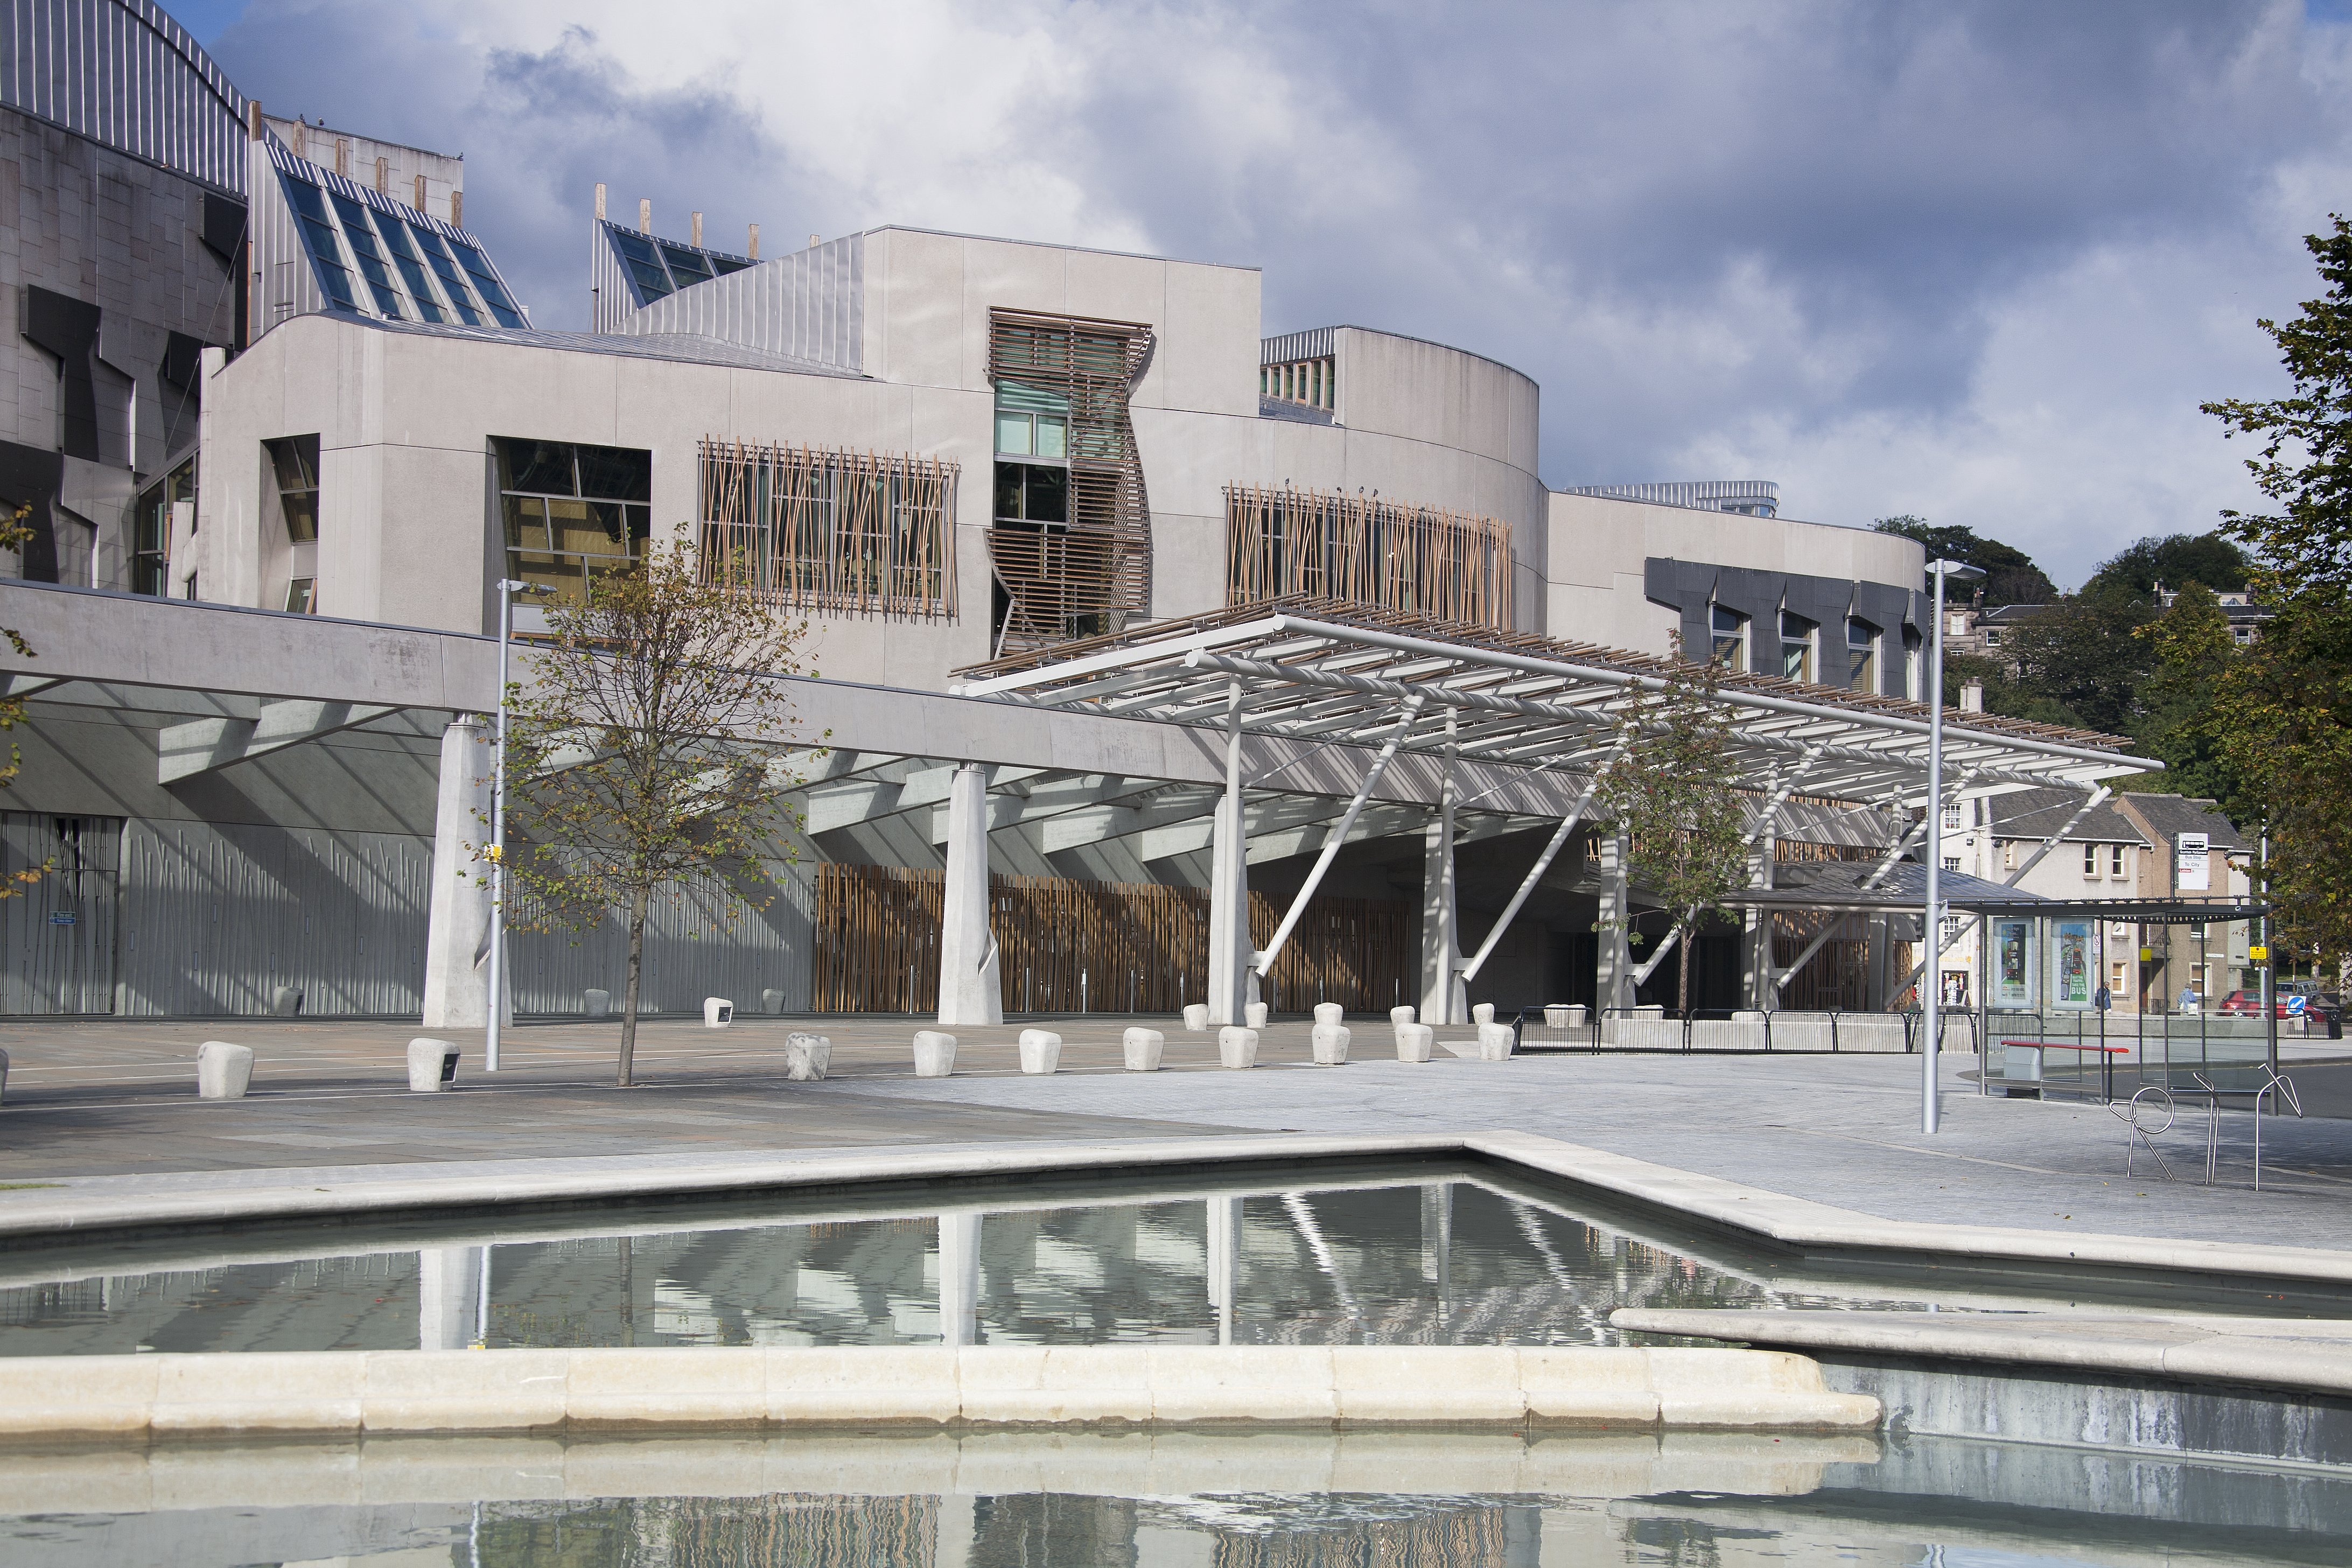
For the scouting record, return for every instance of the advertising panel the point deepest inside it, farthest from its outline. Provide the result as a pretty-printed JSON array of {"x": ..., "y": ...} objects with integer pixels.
[
  {"x": 2012, "y": 963},
  {"x": 2074, "y": 978}
]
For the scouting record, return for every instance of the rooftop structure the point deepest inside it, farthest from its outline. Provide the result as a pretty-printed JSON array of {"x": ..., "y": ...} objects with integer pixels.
[{"x": 1747, "y": 498}]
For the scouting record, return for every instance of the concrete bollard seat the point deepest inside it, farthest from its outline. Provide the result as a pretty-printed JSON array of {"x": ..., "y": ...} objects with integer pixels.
[
  {"x": 1496, "y": 1041},
  {"x": 771, "y": 1003},
  {"x": 223, "y": 1071},
  {"x": 432, "y": 1064},
  {"x": 1196, "y": 1017},
  {"x": 1330, "y": 1012},
  {"x": 1141, "y": 1049},
  {"x": 1041, "y": 1051},
  {"x": 934, "y": 1054},
  {"x": 1400, "y": 1015},
  {"x": 595, "y": 1003},
  {"x": 718, "y": 1012},
  {"x": 1483, "y": 1013},
  {"x": 286, "y": 1002},
  {"x": 1414, "y": 1042},
  {"x": 1330, "y": 1044},
  {"x": 1237, "y": 1048},
  {"x": 1253, "y": 1014},
  {"x": 806, "y": 1057}
]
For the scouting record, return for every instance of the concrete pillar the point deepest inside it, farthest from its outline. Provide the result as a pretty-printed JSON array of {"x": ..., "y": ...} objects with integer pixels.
[
  {"x": 1443, "y": 999},
  {"x": 958, "y": 1278},
  {"x": 448, "y": 1297},
  {"x": 1615, "y": 987},
  {"x": 1224, "y": 1262},
  {"x": 1232, "y": 982},
  {"x": 970, "y": 991},
  {"x": 1755, "y": 977},
  {"x": 457, "y": 912}
]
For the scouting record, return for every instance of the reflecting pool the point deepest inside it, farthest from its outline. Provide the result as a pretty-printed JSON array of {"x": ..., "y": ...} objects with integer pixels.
[{"x": 1434, "y": 1254}]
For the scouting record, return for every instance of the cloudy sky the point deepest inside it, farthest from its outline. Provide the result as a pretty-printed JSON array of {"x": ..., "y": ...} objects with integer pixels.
[{"x": 1978, "y": 262}]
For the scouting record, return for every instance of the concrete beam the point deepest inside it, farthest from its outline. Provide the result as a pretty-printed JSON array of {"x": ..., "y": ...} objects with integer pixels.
[{"x": 207, "y": 746}]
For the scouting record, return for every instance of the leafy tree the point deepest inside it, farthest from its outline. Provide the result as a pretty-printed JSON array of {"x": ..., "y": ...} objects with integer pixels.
[
  {"x": 645, "y": 748},
  {"x": 2173, "y": 561},
  {"x": 2077, "y": 661},
  {"x": 1672, "y": 792},
  {"x": 2010, "y": 575},
  {"x": 2194, "y": 656},
  {"x": 2282, "y": 714}
]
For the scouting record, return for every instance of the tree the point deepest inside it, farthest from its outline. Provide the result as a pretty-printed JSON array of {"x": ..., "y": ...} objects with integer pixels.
[
  {"x": 2194, "y": 658},
  {"x": 645, "y": 748},
  {"x": 2174, "y": 560},
  {"x": 1672, "y": 793},
  {"x": 2010, "y": 575},
  {"x": 14, "y": 534},
  {"x": 2280, "y": 718},
  {"x": 2077, "y": 661}
]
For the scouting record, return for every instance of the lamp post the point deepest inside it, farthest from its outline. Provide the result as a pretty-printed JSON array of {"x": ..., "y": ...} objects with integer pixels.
[
  {"x": 1931, "y": 994},
  {"x": 507, "y": 589}
]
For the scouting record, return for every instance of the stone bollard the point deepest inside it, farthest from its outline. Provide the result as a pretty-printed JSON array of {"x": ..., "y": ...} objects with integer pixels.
[
  {"x": 771, "y": 1003},
  {"x": 806, "y": 1057},
  {"x": 595, "y": 1003},
  {"x": 1253, "y": 1014},
  {"x": 1400, "y": 1015},
  {"x": 432, "y": 1064},
  {"x": 1330, "y": 1044},
  {"x": 934, "y": 1054},
  {"x": 1041, "y": 1051},
  {"x": 286, "y": 1001},
  {"x": 1196, "y": 1017},
  {"x": 1141, "y": 1047},
  {"x": 717, "y": 1012},
  {"x": 1237, "y": 1048},
  {"x": 1495, "y": 1041},
  {"x": 223, "y": 1070},
  {"x": 1330, "y": 1012},
  {"x": 1483, "y": 1013},
  {"x": 1414, "y": 1042}
]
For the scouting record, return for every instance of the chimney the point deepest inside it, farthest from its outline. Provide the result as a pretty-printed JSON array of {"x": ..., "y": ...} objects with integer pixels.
[
  {"x": 343, "y": 156},
  {"x": 255, "y": 129},
  {"x": 383, "y": 176},
  {"x": 693, "y": 230},
  {"x": 646, "y": 215},
  {"x": 456, "y": 209},
  {"x": 419, "y": 203},
  {"x": 755, "y": 242},
  {"x": 600, "y": 201},
  {"x": 1972, "y": 695}
]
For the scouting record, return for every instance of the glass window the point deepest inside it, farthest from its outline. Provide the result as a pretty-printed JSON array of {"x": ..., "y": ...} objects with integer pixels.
[
  {"x": 453, "y": 282},
  {"x": 1862, "y": 655},
  {"x": 1729, "y": 630},
  {"x": 2090, "y": 860},
  {"x": 1796, "y": 647},
  {"x": 643, "y": 262},
  {"x": 1955, "y": 815},
  {"x": 295, "y": 461},
  {"x": 572, "y": 514},
  {"x": 688, "y": 267},
  {"x": 2115, "y": 862},
  {"x": 151, "y": 546},
  {"x": 486, "y": 283},
  {"x": 301, "y": 596},
  {"x": 1951, "y": 862},
  {"x": 310, "y": 205},
  {"x": 411, "y": 264},
  {"x": 1014, "y": 436},
  {"x": 1991, "y": 637},
  {"x": 369, "y": 255}
]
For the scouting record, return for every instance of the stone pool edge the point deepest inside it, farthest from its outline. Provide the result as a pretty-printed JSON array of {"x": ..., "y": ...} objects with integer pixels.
[{"x": 299, "y": 1393}]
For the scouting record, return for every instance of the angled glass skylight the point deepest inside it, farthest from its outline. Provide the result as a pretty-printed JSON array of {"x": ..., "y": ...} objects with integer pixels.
[
  {"x": 412, "y": 266},
  {"x": 644, "y": 265},
  {"x": 310, "y": 205},
  {"x": 486, "y": 283},
  {"x": 369, "y": 255},
  {"x": 657, "y": 269},
  {"x": 445, "y": 267}
]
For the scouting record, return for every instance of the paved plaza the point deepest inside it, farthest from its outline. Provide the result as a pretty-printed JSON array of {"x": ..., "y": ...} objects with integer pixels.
[{"x": 113, "y": 1106}]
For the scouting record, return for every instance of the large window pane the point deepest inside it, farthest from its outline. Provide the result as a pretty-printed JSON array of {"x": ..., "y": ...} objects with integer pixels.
[
  {"x": 615, "y": 473},
  {"x": 686, "y": 266},
  {"x": 526, "y": 524},
  {"x": 453, "y": 283},
  {"x": 369, "y": 255},
  {"x": 412, "y": 265},
  {"x": 543, "y": 467}
]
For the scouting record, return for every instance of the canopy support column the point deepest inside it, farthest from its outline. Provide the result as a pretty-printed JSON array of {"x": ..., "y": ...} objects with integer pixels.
[
  {"x": 1543, "y": 863},
  {"x": 1262, "y": 962},
  {"x": 1441, "y": 989},
  {"x": 1231, "y": 983},
  {"x": 1615, "y": 988},
  {"x": 969, "y": 989}
]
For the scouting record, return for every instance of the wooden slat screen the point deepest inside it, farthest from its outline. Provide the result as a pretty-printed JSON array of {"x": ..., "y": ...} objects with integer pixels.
[
  {"x": 862, "y": 532},
  {"x": 1099, "y": 947},
  {"x": 1087, "y": 575},
  {"x": 1362, "y": 550}
]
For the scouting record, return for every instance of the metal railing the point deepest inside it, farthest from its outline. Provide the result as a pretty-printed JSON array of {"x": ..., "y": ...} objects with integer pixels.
[{"x": 1719, "y": 1031}]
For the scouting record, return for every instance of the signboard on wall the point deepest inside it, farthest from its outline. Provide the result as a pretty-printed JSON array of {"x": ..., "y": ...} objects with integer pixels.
[
  {"x": 2012, "y": 966},
  {"x": 2191, "y": 871},
  {"x": 2074, "y": 978}
]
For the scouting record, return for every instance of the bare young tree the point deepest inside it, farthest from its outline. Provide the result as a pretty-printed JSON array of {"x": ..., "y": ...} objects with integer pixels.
[
  {"x": 1672, "y": 792},
  {"x": 646, "y": 747}
]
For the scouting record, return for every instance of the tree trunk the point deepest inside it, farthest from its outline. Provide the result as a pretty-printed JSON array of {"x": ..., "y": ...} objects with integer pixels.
[
  {"x": 629, "y": 996},
  {"x": 1683, "y": 969}
]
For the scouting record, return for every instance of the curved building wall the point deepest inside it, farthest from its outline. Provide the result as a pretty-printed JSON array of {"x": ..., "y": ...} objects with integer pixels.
[{"x": 123, "y": 74}]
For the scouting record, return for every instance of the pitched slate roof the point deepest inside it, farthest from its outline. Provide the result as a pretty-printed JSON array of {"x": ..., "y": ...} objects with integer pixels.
[
  {"x": 2038, "y": 813},
  {"x": 2169, "y": 815}
]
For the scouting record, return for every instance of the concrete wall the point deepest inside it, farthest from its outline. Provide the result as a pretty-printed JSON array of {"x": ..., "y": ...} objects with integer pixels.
[{"x": 1600, "y": 548}]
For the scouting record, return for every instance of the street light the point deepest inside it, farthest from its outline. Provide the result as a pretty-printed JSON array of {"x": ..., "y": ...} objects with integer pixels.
[
  {"x": 1931, "y": 994},
  {"x": 507, "y": 589}
]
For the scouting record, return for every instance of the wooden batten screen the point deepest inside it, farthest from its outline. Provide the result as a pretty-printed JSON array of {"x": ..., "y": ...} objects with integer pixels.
[
  {"x": 1837, "y": 978},
  {"x": 1095, "y": 947},
  {"x": 1089, "y": 574},
  {"x": 1361, "y": 550},
  {"x": 856, "y": 533}
]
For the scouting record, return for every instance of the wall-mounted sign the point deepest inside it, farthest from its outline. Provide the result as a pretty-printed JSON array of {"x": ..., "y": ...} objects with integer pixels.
[
  {"x": 2012, "y": 967},
  {"x": 2073, "y": 965},
  {"x": 2191, "y": 862},
  {"x": 2258, "y": 954},
  {"x": 62, "y": 917}
]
